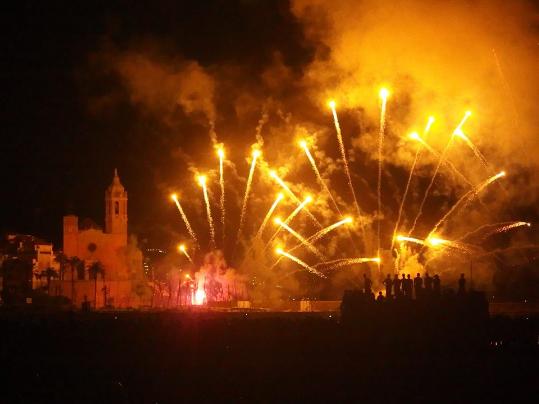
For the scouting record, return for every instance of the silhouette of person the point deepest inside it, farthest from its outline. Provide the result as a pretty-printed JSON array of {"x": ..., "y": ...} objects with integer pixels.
[
  {"x": 462, "y": 285},
  {"x": 408, "y": 283},
  {"x": 388, "y": 283},
  {"x": 418, "y": 286},
  {"x": 380, "y": 297},
  {"x": 367, "y": 284},
  {"x": 396, "y": 286},
  {"x": 428, "y": 284},
  {"x": 436, "y": 287}
]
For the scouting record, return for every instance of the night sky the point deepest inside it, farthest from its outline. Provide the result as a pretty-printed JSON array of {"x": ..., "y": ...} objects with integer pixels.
[{"x": 57, "y": 156}]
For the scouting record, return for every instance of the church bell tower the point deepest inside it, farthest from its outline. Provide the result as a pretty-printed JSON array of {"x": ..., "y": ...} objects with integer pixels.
[{"x": 116, "y": 209}]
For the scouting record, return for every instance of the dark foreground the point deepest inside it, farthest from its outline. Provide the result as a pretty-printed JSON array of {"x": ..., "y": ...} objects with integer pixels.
[{"x": 167, "y": 357}]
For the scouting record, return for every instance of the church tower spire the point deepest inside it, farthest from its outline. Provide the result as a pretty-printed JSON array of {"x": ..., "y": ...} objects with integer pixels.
[{"x": 116, "y": 208}]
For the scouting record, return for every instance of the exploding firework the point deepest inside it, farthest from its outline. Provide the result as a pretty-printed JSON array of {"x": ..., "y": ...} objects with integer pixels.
[
  {"x": 174, "y": 197},
  {"x": 299, "y": 262},
  {"x": 255, "y": 155},
  {"x": 221, "y": 154},
  {"x": 302, "y": 240},
  {"x": 183, "y": 250},
  {"x": 202, "y": 182}
]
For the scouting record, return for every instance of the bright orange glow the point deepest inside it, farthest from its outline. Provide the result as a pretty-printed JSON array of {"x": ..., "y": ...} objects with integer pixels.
[
  {"x": 332, "y": 104},
  {"x": 181, "y": 247},
  {"x": 174, "y": 197},
  {"x": 200, "y": 297},
  {"x": 302, "y": 144},
  {"x": 384, "y": 93},
  {"x": 201, "y": 179},
  {"x": 256, "y": 153},
  {"x": 414, "y": 135},
  {"x": 221, "y": 153},
  {"x": 435, "y": 241}
]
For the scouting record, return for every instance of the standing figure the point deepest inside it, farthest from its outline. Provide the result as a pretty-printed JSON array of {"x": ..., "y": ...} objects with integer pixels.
[
  {"x": 388, "y": 283},
  {"x": 436, "y": 287},
  {"x": 418, "y": 286},
  {"x": 367, "y": 285},
  {"x": 408, "y": 287},
  {"x": 396, "y": 286}
]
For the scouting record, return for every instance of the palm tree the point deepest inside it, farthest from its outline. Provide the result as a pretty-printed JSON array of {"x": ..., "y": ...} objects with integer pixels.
[
  {"x": 75, "y": 263},
  {"x": 95, "y": 269},
  {"x": 49, "y": 273},
  {"x": 62, "y": 260}
]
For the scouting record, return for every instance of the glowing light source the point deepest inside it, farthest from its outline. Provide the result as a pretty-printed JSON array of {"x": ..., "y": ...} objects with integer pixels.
[
  {"x": 183, "y": 250},
  {"x": 383, "y": 93},
  {"x": 302, "y": 240}
]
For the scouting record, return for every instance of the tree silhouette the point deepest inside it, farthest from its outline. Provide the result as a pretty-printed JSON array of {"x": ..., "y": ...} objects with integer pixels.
[
  {"x": 49, "y": 273},
  {"x": 95, "y": 269}
]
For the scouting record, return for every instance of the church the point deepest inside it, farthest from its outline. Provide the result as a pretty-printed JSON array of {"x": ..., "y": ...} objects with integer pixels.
[{"x": 120, "y": 282}]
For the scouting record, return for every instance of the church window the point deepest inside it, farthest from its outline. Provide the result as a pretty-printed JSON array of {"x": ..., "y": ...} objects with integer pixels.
[{"x": 116, "y": 208}]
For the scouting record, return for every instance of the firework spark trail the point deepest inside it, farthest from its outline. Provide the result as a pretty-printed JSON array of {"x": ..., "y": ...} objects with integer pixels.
[
  {"x": 459, "y": 133},
  {"x": 318, "y": 235},
  {"x": 221, "y": 154},
  {"x": 410, "y": 175},
  {"x": 468, "y": 195},
  {"x": 383, "y": 95},
  {"x": 410, "y": 239},
  {"x": 279, "y": 181},
  {"x": 268, "y": 215},
  {"x": 338, "y": 263},
  {"x": 332, "y": 105},
  {"x": 182, "y": 249},
  {"x": 202, "y": 183},
  {"x": 305, "y": 148},
  {"x": 174, "y": 197},
  {"x": 416, "y": 137},
  {"x": 289, "y": 219},
  {"x": 300, "y": 262},
  {"x": 431, "y": 183},
  {"x": 255, "y": 155},
  {"x": 302, "y": 239}
]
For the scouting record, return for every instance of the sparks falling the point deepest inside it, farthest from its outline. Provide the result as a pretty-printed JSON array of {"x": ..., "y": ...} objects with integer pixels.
[
  {"x": 202, "y": 182},
  {"x": 300, "y": 262},
  {"x": 292, "y": 215},
  {"x": 305, "y": 147},
  {"x": 321, "y": 233},
  {"x": 254, "y": 155},
  {"x": 272, "y": 208},
  {"x": 279, "y": 181},
  {"x": 332, "y": 104},
  {"x": 174, "y": 197},
  {"x": 343, "y": 262},
  {"x": 221, "y": 154},
  {"x": 467, "y": 196},
  {"x": 301, "y": 239},
  {"x": 183, "y": 250},
  {"x": 384, "y": 93}
]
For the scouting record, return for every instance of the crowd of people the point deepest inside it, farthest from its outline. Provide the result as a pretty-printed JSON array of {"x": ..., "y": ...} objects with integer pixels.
[{"x": 405, "y": 287}]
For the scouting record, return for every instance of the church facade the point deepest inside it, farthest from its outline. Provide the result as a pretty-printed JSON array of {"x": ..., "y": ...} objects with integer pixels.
[{"x": 121, "y": 280}]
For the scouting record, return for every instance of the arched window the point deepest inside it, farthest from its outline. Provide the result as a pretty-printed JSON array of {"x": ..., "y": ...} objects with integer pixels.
[{"x": 116, "y": 208}]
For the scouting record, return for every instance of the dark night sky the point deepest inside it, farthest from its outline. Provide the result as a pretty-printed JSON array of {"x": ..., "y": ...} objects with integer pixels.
[{"x": 58, "y": 158}]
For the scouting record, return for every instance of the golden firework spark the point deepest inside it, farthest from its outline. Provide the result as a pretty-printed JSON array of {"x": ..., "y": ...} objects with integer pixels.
[
  {"x": 467, "y": 196},
  {"x": 302, "y": 239},
  {"x": 402, "y": 238},
  {"x": 202, "y": 182},
  {"x": 260, "y": 231},
  {"x": 303, "y": 144},
  {"x": 279, "y": 181},
  {"x": 292, "y": 215},
  {"x": 174, "y": 197},
  {"x": 255, "y": 154},
  {"x": 183, "y": 250},
  {"x": 221, "y": 154},
  {"x": 334, "y": 264},
  {"x": 384, "y": 94},
  {"x": 300, "y": 262},
  {"x": 318, "y": 235},
  {"x": 332, "y": 105}
]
